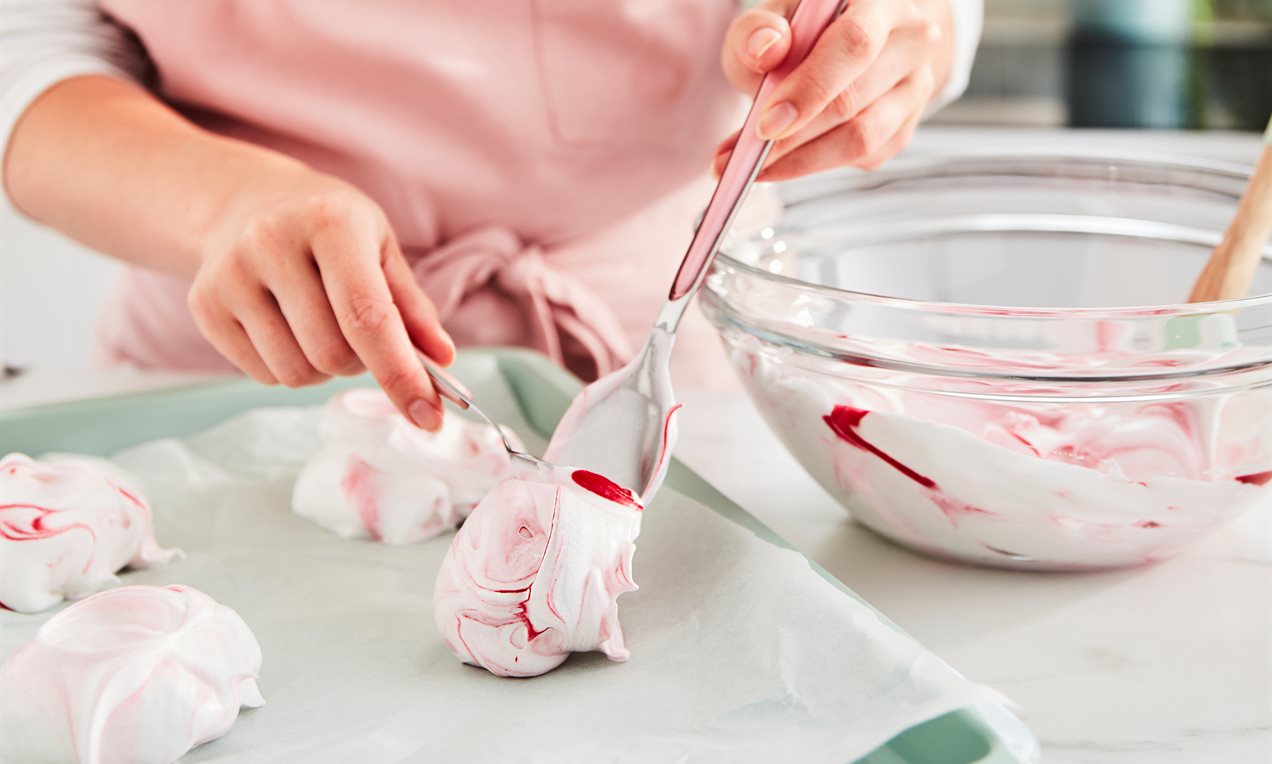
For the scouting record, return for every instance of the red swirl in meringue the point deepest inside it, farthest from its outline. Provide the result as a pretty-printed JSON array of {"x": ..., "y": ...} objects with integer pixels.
[
  {"x": 535, "y": 573},
  {"x": 378, "y": 476},
  {"x": 138, "y": 674},
  {"x": 66, "y": 528},
  {"x": 1013, "y": 473},
  {"x": 31, "y": 522}
]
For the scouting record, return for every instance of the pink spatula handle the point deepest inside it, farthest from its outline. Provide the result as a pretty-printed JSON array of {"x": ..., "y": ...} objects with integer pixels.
[{"x": 810, "y": 19}]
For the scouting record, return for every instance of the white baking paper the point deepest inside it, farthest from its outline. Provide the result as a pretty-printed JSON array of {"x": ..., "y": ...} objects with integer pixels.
[{"x": 740, "y": 650}]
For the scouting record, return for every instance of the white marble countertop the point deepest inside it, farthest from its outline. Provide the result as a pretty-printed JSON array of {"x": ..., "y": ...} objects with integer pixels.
[{"x": 1169, "y": 664}]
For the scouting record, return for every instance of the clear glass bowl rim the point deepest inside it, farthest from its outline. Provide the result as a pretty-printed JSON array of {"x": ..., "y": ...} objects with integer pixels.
[{"x": 919, "y": 167}]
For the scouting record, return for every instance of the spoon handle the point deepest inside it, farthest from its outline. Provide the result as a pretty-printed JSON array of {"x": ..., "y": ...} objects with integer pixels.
[
  {"x": 1232, "y": 265},
  {"x": 808, "y": 22},
  {"x": 447, "y": 386},
  {"x": 454, "y": 391}
]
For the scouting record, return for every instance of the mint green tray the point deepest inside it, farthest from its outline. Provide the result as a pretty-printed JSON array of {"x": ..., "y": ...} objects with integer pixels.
[{"x": 101, "y": 426}]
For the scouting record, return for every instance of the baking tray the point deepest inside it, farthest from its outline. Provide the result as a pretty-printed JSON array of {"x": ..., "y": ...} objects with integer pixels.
[{"x": 100, "y": 426}]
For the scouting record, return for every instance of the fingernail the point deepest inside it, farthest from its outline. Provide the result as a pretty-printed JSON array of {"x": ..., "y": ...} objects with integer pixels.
[
  {"x": 451, "y": 344},
  {"x": 425, "y": 415},
  {"x": 761, "y": 40},
  {"x": 776, "y": 120}
]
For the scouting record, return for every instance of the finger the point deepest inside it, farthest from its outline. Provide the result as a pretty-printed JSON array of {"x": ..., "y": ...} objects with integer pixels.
[
  {"x": 906, "y": 49},
  {"x": 756, "y": 42},
  {"x": 291, "y": 277},
  {"x": 909, "y": 45},
  {"x": 273, "y": 340},
  {"x": 723, "y": 152},
  {"x": 418, "y": 312},
  {"x": 229, "y": 339},
  {"x": 349, "y": 256},
  {"x": 312, "y": 322},
  {"x": 898, "y": 58},
  {"x": 893, "y": 146},
  {"x": 843, "y": 53},
  {"x": 856, "y": 140}
]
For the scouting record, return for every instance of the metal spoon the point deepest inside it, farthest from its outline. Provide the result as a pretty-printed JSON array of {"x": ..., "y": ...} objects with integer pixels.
[
  {"x": 454, "y": 391},
  {"x": 618, "y": 425}
]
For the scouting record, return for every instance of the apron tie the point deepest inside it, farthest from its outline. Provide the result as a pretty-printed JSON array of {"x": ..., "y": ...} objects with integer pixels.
[{"x": 562, "y": 318}]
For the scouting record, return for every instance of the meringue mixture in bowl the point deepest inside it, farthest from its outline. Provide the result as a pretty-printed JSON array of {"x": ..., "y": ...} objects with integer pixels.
[{"x": 984, "y": 358}]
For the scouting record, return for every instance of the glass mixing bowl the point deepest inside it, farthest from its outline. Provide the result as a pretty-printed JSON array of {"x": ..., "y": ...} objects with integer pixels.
[{"x": 985, "y": 357}]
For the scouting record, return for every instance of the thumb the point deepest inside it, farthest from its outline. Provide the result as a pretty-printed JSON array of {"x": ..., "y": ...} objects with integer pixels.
[{"x": 756, "y": 42}]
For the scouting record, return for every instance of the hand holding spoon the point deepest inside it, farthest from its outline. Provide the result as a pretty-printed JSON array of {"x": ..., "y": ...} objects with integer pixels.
[
  {"x": 454, "y": 391},
  {"x": 620, "y": 425}
]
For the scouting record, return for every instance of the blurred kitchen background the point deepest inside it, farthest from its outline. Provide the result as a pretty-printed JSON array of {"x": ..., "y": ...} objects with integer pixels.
[
  {"x": 1168, "y": 65},
  {"x": 1164, "y": 64}
]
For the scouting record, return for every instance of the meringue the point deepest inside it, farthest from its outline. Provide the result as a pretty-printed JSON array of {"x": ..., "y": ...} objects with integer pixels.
[
  {"x": 66, "y": 528},
  {"x": 1035, "y": 483},
  {"x": 378, "y": 476},
  {"x": 535, "y": 573},
  {"x": 134, "y": 675}
]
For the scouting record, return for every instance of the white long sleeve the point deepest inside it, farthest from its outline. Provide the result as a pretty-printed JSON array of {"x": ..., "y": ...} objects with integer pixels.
[
  {"x": 968, "y": 21},
  {"x": 43, "y": 42}
]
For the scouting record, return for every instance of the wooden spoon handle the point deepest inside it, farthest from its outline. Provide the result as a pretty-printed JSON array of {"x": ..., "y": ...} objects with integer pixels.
[{"x": 1232, "y": 265}]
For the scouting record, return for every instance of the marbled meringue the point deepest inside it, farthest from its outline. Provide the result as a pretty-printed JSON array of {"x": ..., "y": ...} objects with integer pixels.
[
  {"x": 66, "y": 527},
  {"x": 134, "y": 675},
  {"x": 377, "y": 476},
  {"x": 535, "y": 572},
  {"x": 1052, "y": 484}
]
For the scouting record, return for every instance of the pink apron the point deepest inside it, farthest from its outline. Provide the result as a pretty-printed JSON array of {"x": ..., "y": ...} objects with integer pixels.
[{"x": 541, "y": 161}]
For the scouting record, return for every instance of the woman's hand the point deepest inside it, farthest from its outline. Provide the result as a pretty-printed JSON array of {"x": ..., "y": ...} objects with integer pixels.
[
  {"x": 296, "y": 275},
  {"x": 302, "y": 279},
  {"x": 857, "y": 98}
]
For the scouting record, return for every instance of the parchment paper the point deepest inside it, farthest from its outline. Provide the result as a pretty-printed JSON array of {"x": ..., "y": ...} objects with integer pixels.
[{"x": 740, "y": 651}]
